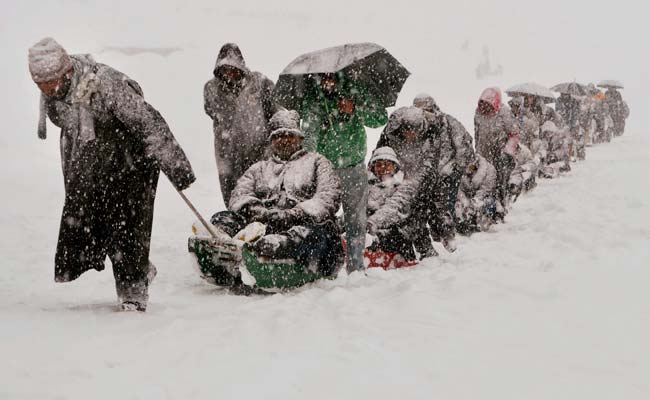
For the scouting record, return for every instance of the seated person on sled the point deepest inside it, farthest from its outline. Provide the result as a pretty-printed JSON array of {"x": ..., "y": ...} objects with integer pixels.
[
  {"x": 296, "y": 194},
  {"x": 476, "y": 206},
  {"x": 384, "y": 177}
]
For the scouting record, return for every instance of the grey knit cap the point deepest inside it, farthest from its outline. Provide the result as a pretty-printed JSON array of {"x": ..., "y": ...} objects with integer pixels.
[{"x": 48, "y": 61}]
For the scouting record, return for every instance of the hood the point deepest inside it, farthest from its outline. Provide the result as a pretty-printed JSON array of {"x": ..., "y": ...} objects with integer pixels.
[
  {"x": 231, "y": 56},
  {"x": 492, "y": 95},
  {"x": 384, "y": 153},
  {"x": 426, "y": 102},
  {"x": 406, "y": 118}
]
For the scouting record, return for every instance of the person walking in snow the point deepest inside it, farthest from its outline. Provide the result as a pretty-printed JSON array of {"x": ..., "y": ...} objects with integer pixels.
[
  {"x": 618, "y": 109},
  {"x": 240, "y": 103},
  {"x": 569, "y": 108},
  {"x": 295, "y": 193},
  {"x": 457, "y": 148},
  {"x": 384, "y": 179},
  {"x": 113, "y": 145},
  {"x": 335, "y": 112},
  {"x": 496, "y": 133},
  {"x": 418, "y": 147}
]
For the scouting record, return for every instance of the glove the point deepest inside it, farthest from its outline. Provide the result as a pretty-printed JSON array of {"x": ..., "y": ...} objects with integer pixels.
[
  {"x": 258, "y": 214},
  {"x": 346, "y": 106},
  {"x": 183, "y": 180},
  {"x": 282, "y": 220}
]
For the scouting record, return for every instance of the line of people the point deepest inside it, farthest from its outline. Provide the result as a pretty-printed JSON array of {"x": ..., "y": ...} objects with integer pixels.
[{"x": 293, "y": 170}]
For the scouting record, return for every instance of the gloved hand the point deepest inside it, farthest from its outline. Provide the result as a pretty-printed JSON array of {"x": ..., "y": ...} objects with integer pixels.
[
  {"x": 282, "y": 220},
  {"x": 346, "y": 106},
  {"x": 258, "y": 213}
]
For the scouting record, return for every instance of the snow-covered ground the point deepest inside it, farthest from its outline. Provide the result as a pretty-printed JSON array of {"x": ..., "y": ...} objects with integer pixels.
[{"x": 552, "y": 305}]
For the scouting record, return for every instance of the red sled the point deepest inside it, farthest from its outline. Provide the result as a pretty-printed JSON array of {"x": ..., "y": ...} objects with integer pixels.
[{"x": 381, "y": 259}]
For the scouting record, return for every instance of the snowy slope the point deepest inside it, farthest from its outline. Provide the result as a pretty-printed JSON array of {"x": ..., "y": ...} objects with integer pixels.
[{"x": 553, "y": 304}]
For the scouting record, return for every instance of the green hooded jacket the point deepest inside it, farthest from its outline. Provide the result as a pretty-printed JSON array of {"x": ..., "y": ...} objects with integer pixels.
[{"x": 340, "y": 137}]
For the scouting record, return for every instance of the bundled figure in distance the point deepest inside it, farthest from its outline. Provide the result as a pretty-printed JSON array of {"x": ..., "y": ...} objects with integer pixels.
[
  {"x": 496, "y": 133},
  {"x": 556, "y": 137},
  {"x": 240, "y": 103},
  {"x": 418, "y": 147},
  {"x": 457, "y": 148},
  {"x": 523, "y": 176},
  {"x": 335, "y": 112},
  {"x": 529, "y": 131},
  {"x": 384, "y": 177},
  {"x": 477, "y": 206},
  {"x": 569, "y": 108},
  {"x": 296, "y": 194},
  {"x": 113, "y": 146},
  {"x": 618, "y": 110},
  {"x": 604, "y": 122}
]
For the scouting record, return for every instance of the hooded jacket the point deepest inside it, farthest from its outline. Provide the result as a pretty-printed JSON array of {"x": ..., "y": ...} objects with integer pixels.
[
  {"x": 493, "y": 131},
  {"x": 240, "y": 114}
]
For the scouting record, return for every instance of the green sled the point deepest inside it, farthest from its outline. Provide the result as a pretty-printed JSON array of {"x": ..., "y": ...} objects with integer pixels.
[
  {"x": 219, "y": 262},
  {"x": 277, "y": 274}
]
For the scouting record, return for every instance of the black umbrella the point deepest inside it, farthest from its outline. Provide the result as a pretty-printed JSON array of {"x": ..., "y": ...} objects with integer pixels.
[
  {"x": 572, "y": 88},
  {"x": 366, "y": 64}
]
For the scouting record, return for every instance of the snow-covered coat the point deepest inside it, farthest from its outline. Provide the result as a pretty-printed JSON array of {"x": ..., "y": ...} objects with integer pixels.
[
  {"x": 113, "y": 145},
  {"x": 306, "y": 181},
  {"x": 557, "y": 142},
  {"x": 526, "y": 167},
  {"x": 493, "y": 132},
  {"x": 380, "y": 191},
  {"x": 240, "y": 116},
  {"x": 456, "y": 144},
  {"x": 478, "y": 188}
]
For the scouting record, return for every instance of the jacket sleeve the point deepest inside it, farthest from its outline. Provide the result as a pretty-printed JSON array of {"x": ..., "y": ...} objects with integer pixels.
[
  {"x": 312, "y": 124},
  {"x": 327, "y": 197},
  {"x": 141, "y": 118},
  {"x": 372, "y": 114},
  {"x": 244, "y": 193},
  {"x": 210, "y": 99},
  {"x": 489, "y": 184},
  {"x": 462, "y": 143}
]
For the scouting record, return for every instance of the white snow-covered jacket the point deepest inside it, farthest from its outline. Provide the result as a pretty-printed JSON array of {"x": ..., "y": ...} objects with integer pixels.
[
  {"x": 306, "y": 181},
  {"x": 525, "y": 166}
]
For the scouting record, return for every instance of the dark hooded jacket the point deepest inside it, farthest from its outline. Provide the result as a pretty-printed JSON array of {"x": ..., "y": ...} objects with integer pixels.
[
  {"x": 113, "y": 145},
  {"x": 240, "y": 115}
]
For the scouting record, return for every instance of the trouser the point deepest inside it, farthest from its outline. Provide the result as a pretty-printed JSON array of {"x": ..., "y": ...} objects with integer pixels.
[
  {"x": 504, "y": 166},
  {"x": 320, "y": 243},
  {"x": 354, "y": 185}
]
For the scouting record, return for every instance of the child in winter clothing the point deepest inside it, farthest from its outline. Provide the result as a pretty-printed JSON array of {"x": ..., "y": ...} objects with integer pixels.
[{"x": 384, "y": 177}]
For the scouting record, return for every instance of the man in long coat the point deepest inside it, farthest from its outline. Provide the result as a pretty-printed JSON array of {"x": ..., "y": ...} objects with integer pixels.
[{"x": 113, "y": 145}]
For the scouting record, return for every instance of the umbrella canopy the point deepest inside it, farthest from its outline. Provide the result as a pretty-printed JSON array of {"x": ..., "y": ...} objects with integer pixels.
[
  {"x": 572, "y": 88},
  {"x": 531, "y": 89},
  {"x": 610, "y": 84},
  {"x": 366, "y": 64}
]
